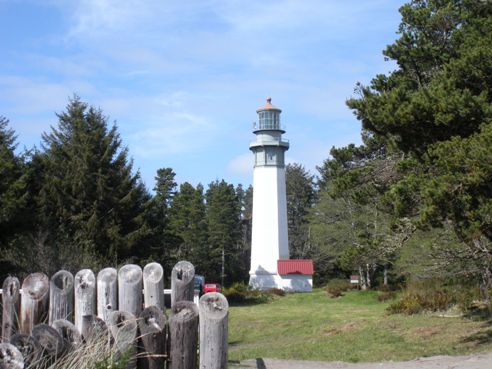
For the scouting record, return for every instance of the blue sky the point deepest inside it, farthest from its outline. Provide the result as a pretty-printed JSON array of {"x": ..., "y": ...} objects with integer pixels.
[{"x": 183, "y": 79}]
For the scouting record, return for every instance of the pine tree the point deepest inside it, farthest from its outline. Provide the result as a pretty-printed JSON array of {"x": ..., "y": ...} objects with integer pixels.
[
  {"x": 89, "y": 196},
  {"x": 300, "y": 198},
  {"x": 223, "y": 217},
  {"x": 187, "y": 223}
]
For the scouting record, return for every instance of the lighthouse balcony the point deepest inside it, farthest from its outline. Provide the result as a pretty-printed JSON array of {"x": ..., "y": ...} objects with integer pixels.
[{"x": 262, "y": 143}]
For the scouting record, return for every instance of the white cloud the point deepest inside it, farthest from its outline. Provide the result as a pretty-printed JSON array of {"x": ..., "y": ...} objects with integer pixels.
[{"x": 242, "y": 164}]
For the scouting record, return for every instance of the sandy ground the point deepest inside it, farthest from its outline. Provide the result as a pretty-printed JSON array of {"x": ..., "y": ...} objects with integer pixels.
[{"x": 476, "y": 361}]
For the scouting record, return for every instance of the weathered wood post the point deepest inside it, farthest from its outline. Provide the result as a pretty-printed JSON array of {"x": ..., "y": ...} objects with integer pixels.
[
  {"x": 93, "y": 328},
  {"x": 130, "y": 289},
  {"x": 85, "y": 296},
  {"x": 184, "y": 335},
  {"x": 153, "y": 328},
  {"x": 10, "y": 307},
  {"x": 182, "y": 282},
  {"x": 153, "y": 279},
  {"x": 51, "y": 342},
  {"x": 123, "y": 328},
  {"x": 214, "y": 313},
  {"x": 34, "y": 301},
  {"x": 61, "y": 296},
  {"x": 107, "y": 292},
  {"x": 70, "y": 334},
  {"x": 29, "y": 348},
  {"x": 10, "y": 357}
]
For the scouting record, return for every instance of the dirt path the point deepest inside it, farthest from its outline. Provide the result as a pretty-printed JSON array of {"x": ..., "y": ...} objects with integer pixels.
[{"x": 476, "y": 361}]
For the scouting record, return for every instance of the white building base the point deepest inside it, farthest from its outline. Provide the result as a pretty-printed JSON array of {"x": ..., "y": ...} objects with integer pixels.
[{"x": 288, "y": 283}]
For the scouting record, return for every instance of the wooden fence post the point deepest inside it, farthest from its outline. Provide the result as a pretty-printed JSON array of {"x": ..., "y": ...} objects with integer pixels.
[
  {"x": 184, "y": 335},
  {"x": 153, "y": 328},
  {"x": 34, "y": 301},
  {"x": 10, "y": 357},
  {"x": 85, "y": 296},
  {"x": 10, "y": 307},
  {"x": 182, "y": 282},
  {"x": 29, "y": 348},
  {"x": 51, "y": 342},
  {"x": 61, "y": 296},
  {"x": 93, "y": 328},
  {"x": 153, "y": 277},
  {"x": 70, "y": 334},
  {"x": 123, "y": 328},
  {"x": 130, "y": 289},
  {"x": 107, "y": 292},
  {"x": 213, "y": 308}
]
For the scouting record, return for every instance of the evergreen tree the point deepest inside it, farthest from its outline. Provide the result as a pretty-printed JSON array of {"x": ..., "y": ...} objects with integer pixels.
[
  {"x": 187, "y": 223},
  {"x": 89, "y": 196},
  {"x": 162, "y": 242},
  {"x": 436, "y": 108},
  {"x": 300, "y": 198},
  {"x": 223, "y": 217},
  {"x": 15, "y": 216}
]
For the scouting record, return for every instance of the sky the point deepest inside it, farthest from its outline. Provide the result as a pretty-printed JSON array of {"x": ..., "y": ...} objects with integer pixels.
[{"x": 182, "y": 79}]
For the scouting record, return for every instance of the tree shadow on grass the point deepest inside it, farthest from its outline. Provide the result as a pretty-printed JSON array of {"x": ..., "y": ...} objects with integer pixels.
[{"x": 483, "y": 336}]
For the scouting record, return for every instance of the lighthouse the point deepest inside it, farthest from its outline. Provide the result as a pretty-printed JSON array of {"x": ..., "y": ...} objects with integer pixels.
[
  {"x": 270, "y": 263},
  {"x": 269, "y": 239}
]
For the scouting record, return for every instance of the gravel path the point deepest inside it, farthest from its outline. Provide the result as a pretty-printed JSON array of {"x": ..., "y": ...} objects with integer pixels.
[{"x": 476, "y": 361}]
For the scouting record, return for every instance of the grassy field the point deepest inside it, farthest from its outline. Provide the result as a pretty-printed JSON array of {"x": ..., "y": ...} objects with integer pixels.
[{"x": 353, "y": 328}]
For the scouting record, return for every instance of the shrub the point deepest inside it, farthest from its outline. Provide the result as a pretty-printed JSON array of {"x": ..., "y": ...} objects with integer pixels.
[
  {"x": 276, "y": 292},
  {"x": 241, "y": 293},
  {"x": 386, "y": 295},
  {"x": 336, "y": 287},
  {"x": 413, "y": 303}
]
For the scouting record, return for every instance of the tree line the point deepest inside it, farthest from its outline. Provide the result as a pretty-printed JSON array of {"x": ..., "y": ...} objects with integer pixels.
[{"x": 77, "y": 202}]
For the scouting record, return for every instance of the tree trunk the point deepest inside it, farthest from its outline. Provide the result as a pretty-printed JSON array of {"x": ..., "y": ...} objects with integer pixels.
[
  {"x": 368, "y": 276},
  {"x": 130, "y": 289},
  {"x": 34, "y": 301},
  {"x": 184, "y": 335},
  {"x": 153, "y": 328},
  {"x": 61, "y": 296},
  {"x": 213, "y": 331},
  {"x": 362, "y": 277},
  {"x": 10, "y": 357},
  {"x": 182, "y": 282},
  {"x": 385, "y": 275},
  {"x": 107, "y": 292},
  {"x": 85, "y": 296},
  {"x": 10, "y": 307},
  {"x": 153, "y": 277}
]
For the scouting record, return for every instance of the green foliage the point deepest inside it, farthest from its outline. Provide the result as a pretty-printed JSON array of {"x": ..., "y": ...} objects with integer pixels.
[
  {"x": 223, "y": 215},
  {"x": 300, "y": 198},
  {"x": 242, "y": 294},
  {"x": 336, "y": 287},
  {"x": 88, "y": 193}
]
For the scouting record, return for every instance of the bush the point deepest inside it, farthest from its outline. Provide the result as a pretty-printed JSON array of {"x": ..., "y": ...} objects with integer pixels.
[
  {"x": 416, "y": 302},
  {"x": 386, "y": 295},
  {"x": 241, "y": 293},
  {"x": 336, "y": 287}
]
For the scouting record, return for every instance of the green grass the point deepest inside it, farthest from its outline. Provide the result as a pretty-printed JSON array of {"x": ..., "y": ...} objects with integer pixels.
[{"x": 353, "y": 328}]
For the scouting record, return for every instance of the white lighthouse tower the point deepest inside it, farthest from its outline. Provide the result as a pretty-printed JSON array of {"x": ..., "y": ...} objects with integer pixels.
[{"x": 269, "y": 240}]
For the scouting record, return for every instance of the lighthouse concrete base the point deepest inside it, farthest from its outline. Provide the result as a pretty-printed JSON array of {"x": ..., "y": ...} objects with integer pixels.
[{"x": 288, "y": 283}]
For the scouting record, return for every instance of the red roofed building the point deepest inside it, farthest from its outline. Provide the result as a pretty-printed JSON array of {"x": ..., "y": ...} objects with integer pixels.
[{"x": 296, "y": 275}]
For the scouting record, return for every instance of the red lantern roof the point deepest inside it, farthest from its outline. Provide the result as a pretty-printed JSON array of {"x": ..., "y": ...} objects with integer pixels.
[{"x": 304, "y": 267}]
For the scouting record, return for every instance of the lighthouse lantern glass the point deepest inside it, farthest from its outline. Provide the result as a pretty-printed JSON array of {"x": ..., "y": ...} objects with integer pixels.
[{"x": 269, "y": 119}]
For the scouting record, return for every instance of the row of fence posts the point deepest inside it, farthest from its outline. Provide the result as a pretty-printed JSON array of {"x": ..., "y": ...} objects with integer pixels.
[{"x": 49, "y": 318}]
